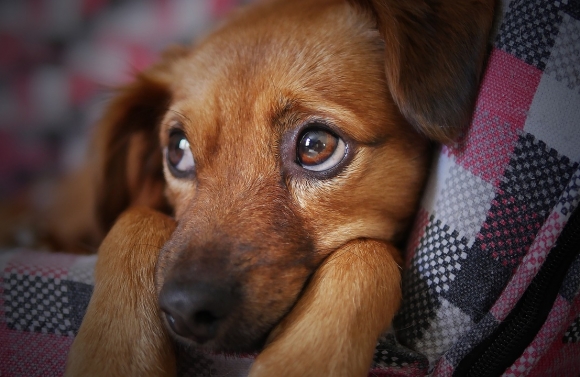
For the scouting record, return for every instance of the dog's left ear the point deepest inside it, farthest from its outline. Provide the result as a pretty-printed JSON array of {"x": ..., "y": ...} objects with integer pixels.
[
  {"x": 128, "y": 165},
  {"x": 434, "y": 53}
]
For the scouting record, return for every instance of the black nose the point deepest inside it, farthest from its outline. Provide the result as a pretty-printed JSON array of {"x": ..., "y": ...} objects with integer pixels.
[{"x": 196, "y": 310}]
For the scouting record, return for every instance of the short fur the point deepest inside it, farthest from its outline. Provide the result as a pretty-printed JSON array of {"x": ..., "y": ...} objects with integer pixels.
[{"x": 312, "y": 257}]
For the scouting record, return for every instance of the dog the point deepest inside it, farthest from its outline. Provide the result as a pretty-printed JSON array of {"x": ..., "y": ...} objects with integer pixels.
[{"x": 254, "y": 188}]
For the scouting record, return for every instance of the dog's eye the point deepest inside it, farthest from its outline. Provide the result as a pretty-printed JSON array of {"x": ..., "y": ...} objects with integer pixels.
[
  {"x": 320, "y": 150},
  {"x": 178, "y": 155}
]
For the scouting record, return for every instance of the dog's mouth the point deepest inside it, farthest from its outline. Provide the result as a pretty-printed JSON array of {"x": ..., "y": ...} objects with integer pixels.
[
  {"x": 209, "y": 337},
  {"x": 222, "y": 304},
  {"x": 219, "y": 318}
]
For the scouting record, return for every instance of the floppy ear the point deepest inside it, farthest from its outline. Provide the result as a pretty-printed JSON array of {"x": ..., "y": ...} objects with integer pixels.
[
  {"x": 129, "y": 169},
  {"x": 434, "y": 53}
]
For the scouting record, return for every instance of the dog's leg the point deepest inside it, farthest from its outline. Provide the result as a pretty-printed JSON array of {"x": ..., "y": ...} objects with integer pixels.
[
  {"x": 334, "y": 327},
  {"x": 121, "y": 333}
]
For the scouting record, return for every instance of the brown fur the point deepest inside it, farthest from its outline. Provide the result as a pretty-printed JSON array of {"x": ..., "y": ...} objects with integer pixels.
[
  {"x": 124, "y": 304},
  {"x": 312, "y": 255}
]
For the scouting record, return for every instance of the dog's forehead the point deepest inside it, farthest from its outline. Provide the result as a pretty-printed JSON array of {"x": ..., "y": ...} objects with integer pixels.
[{"x": 324, "y": 58}]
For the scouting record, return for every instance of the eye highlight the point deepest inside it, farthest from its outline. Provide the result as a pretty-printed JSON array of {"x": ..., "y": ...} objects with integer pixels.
[
  {"x": 319, "y": 149},
  {"x": 178, "y": 155}
]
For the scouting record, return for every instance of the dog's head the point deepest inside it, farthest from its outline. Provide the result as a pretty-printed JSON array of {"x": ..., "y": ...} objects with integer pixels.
[{"x": 293, "y": 129}]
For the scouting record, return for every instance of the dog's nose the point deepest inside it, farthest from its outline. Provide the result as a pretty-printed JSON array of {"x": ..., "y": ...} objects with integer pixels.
[{"x": 195, "y": 310}]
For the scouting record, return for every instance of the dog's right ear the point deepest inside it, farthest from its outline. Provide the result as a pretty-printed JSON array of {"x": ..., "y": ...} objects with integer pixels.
[
  {"x": 129, "y": 169},
  {"x": 434, "y": 53}
]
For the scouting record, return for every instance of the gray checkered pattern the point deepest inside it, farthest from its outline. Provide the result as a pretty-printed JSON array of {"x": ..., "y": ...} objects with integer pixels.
[
  {"x": 37, "y": 303},
  {"x": 464, "y": 202},
  {"x": 448, "y": 325},
  {"x": 389, "y": 353},
  {"x": 82, "y": 271},
  {"x": 564, "y": 61},
  {"x": 529, "y": 29},
  {"x": 436, "y": 262}
]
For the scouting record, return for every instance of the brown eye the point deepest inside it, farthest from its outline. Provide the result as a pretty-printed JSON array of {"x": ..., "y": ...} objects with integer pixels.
[
  {"x": 320, "y": 150},
  {"x": 178, "y": 155}
]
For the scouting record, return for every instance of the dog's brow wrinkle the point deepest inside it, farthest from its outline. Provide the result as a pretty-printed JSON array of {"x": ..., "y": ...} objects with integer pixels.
[
  {"x": 281, "y": 112},
  {"x": 181, "y": 115}
]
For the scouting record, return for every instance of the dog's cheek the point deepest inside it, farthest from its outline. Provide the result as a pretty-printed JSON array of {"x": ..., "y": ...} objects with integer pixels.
[
  {"x": 374, "y": 198},
  {"x": 279, "y": 273},
  {"x": 327, "y": 205},
  {"x": 178, "y": 194}
]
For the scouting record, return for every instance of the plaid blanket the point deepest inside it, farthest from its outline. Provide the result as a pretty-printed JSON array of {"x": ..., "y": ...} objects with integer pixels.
[
  {"x": 492, "y": 271},
  {"x": 488, "y": 228}
]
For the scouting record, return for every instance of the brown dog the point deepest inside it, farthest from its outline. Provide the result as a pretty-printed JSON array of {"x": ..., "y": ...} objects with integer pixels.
[{"x": 291, "y": 158}]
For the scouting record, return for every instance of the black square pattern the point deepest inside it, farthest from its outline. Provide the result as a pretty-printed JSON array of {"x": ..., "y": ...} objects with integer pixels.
[
  {"x": 529, "y": 29},
  {"x": 433, "y": 270},
  {"x": 390, "y": 354},
  {"x": 531, "y": 186},
  {"x": 572, "y": 335},
  {"x": 38, "y": 304}
]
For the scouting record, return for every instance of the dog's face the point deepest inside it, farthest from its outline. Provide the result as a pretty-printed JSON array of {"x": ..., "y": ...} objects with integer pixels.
[
  {"x": 280, "y": 145},
  {"x": 281, "y": 139}
]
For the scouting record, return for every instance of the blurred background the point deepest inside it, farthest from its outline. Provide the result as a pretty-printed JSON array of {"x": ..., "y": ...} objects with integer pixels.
[{"x": 59, "y": 60}]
